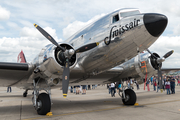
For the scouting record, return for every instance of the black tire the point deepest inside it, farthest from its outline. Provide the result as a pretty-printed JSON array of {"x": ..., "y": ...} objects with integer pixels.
[
  {"x": 24, "y": 94},
  {"x": 45, "y": 104},
  {"x": 130, "y": 97}
]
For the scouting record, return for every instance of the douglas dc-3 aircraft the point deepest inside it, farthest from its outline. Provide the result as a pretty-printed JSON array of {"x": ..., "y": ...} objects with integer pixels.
[{"x": 100, "y": 53}]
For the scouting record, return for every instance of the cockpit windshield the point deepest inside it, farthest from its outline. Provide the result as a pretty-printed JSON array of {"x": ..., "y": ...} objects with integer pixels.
[{"x": 129, "y": 13}]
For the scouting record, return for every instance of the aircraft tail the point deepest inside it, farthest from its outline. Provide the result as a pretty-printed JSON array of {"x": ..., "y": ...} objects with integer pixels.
[{"x": 21, "y": 57}]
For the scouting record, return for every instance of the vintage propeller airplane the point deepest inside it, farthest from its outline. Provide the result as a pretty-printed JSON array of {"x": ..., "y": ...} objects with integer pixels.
[{"x": 99, "y": 53}]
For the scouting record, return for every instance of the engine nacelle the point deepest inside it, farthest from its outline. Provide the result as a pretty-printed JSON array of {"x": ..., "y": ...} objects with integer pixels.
[
  {"x": 138, "y": 67},
  {"x": 50, "y": 61}
]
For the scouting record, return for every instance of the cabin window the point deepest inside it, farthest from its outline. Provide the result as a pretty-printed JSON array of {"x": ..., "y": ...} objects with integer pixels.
[
  {"x": 130, "y": 13},
  {"x": 115, "y": 18}
]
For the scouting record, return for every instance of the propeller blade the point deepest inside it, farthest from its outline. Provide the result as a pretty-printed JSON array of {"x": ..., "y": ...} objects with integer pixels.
[
  {"x": 168, "y": 54},
  {"x": 50, "y": 38},
  {"x": 160, "y": 78},
  {"x": 65, "y": 81},
  {"x": 87, "y": 47},
  {"x": 152, "y": 54}
]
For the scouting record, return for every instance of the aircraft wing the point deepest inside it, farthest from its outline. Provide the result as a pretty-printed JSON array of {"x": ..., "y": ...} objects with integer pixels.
[
  {"x": 167, "y": 70},
  {"x": 12, "y": 73},
  {"x": 78, "y": 77}
]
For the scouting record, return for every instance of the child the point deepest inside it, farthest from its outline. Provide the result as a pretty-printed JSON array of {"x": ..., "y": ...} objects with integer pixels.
[{"x": 167, "y": 84}]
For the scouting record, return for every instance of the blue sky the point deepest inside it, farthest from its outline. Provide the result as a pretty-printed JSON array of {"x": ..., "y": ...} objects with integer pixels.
[{"x": 61, "y": 18}]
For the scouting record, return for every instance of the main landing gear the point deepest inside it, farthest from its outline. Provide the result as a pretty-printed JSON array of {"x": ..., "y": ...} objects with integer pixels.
[
  {"x": 42, "y": 101},
  {"x": 128, "y": 96}
]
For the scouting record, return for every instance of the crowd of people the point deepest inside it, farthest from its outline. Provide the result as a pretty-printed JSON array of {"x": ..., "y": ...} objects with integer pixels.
[
  {"x": 78, "y": 89},
  {"x": 113, "y": 87},
  {"x": 168, "y": 84}
]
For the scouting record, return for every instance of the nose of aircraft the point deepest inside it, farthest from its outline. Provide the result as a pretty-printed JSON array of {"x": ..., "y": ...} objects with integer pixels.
[{"x": 155, "y": 23}]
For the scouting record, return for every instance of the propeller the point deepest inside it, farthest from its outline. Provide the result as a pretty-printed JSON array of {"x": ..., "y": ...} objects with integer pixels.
[
  {"x": 156, "y": 62},
  {"x": 67, "y": 54}
]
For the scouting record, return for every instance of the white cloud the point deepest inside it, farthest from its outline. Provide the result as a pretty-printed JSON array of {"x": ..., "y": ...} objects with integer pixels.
[
  {"x": 33, "y": 32},
  {"x": 26, "y": 23},
  {"x": 10, "y": 48},
  {"x": 31, "y": 42},
  {"x": 1, "y": 27},
  {"x": 176, "y": 30},
  {"x": 4, "y": 14},
  {"x": 13, "y": 25}
]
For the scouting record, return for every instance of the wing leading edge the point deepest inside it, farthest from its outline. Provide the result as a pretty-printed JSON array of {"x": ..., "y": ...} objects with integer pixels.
[
  {"x": 12, "y": 73},
  {"x": 14, "y": 66}
]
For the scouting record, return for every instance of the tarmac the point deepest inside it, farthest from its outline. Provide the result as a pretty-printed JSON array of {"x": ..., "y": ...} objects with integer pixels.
[{"x": 97, "y": 104}]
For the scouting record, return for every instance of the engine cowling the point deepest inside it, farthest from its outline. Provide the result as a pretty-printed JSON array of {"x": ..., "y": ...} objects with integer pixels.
[
  {"x": 139, "y": 66},
  {"x": 60, "y": 58},
  {"x": 50, "y": 61}
]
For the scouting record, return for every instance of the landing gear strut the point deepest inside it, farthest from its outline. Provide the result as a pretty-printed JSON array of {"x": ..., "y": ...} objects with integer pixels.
[
  {"x": 41, "y": 102},
  {"x": 128, "y": 96}
]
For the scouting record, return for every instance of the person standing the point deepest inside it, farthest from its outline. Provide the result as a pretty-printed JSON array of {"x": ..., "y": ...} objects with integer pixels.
[
  {"x": 112, "y": 89},
  {"x": 77, "y": 89},
  {"x": 109, "y": 87},
  {"x": 9, "y": 89},
  {"x": 172, "y": 85},
  {"x": 89, "y": 87},
  {"x": 178, "y": 81},
  {"x": 137, "y": 84},
  {"x": 93, "y": 86},
  {"x": 148, "y": 84},
  {"x": 154, "y": 83},
  {"x": 129, "y": 84},
  {"x": 71, "y": 89},
  {"x": 167, "y": 84},
  {"x": 74, "y": 89},
  {"x": 151, "y": 80},
  {"x": 84, "y": 89},
  {"x": 119, "y": 86}
]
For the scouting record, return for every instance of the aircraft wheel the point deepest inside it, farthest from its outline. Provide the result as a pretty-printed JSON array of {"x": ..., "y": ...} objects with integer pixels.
[
  {"x": 130, "y": 97},
  {"x": 25, "y": 94},
  {"x": 43, "y": 104}
]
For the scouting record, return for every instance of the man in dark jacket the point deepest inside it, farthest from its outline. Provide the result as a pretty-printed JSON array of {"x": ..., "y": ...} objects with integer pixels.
[{"x": 172, "y": 83}]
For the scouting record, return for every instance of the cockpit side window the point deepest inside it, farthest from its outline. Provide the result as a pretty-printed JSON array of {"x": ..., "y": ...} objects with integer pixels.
[{"x": 115, "y": 18}]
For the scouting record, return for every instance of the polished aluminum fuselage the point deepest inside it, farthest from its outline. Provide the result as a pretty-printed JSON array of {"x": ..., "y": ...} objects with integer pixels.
[{"x": 137, "y": 68}]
